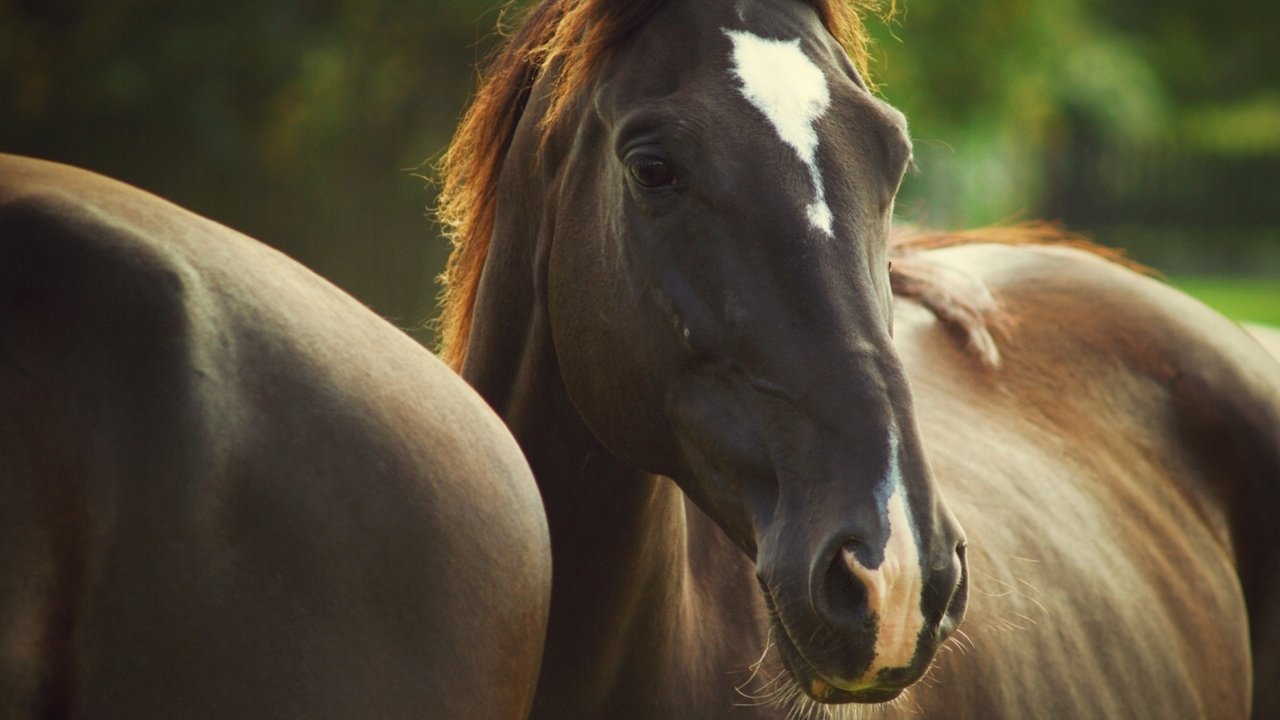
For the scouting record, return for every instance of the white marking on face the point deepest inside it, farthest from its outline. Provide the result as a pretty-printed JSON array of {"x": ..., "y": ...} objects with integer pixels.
[
  {"x": 779, "y": 80},
  {"x": 894, "y": 589}
]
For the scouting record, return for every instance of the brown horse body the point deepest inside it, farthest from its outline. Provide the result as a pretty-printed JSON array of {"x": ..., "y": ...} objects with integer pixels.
[
  {"x": 1112, "y": 475},
  {"x": 229, "y": 490}
]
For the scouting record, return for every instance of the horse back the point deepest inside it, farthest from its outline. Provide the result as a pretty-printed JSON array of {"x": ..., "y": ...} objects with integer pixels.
[
  {"x": 228, "y": 490},
  {"x": 1114, "y": 498},
  {"x": 1267, "y": 336}
]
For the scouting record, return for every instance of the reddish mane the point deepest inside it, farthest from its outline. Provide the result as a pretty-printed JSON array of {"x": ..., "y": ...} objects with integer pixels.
[
  {"x": 577, "y": 35},
  {"x": 963, "y": 304}
]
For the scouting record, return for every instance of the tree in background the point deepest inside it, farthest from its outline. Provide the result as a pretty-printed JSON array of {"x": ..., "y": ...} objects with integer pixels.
[
  {"x": 989, "y": 84},
  {"x": 1153, "y": 125},
  {"x": 304, "y": 123}
]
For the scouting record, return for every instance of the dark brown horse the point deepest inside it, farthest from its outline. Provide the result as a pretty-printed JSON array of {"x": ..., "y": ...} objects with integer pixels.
[
  {"x": 672, "y": 280},
  {"x": 227, "y": 490}
]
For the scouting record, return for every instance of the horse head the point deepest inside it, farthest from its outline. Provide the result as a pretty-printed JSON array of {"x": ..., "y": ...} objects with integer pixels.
[{"x": 714, "y": 202}]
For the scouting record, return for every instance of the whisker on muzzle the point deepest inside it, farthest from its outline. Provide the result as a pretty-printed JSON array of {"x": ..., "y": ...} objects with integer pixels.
[{"x": 774, "y": 687}]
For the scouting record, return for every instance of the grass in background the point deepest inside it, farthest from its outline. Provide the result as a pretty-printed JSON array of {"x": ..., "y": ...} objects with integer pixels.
[{"x": 1241, "y": 299}]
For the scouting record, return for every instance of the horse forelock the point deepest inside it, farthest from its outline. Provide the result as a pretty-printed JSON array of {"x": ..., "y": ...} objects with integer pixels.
[{"x": 577, "y": 36}]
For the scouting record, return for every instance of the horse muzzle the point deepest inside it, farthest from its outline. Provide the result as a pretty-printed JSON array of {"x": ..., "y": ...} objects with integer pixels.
[{"x": 869, "y": 629}]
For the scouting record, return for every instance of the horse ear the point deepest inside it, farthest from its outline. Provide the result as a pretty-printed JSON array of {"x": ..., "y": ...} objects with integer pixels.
[{"x": 844, "y": 20}]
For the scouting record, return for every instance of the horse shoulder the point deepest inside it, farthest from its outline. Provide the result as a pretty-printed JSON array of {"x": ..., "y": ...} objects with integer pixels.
[
  {"x": 234, "y": 489},
  {"x": 1088, "y": 471}
]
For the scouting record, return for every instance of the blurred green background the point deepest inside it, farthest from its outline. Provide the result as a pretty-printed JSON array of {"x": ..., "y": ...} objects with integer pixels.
[{"x": 310, "y": 124}]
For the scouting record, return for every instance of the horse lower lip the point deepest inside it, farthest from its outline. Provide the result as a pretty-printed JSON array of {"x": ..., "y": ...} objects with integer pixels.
[
  {"x": 824, "y": 692},
  {"x": 820, "y": 688}
]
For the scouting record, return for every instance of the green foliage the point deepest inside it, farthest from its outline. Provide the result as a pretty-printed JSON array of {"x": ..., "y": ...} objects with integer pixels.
[
  {"x": 1249, "y": 127},
  {"x": 991, "y": 85},
  {"x": 302, "y": 123},
  {"x": 1240, "y": 299},
  {"x": 1146, "y": 120}
]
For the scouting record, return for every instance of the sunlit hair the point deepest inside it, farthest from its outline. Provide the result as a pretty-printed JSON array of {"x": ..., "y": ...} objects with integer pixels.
[
  {"x": 963, "y": 303},
  {"x": 576, "y": 37}
]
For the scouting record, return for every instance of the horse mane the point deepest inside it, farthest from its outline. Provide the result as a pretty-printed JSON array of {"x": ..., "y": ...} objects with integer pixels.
[
  {"x": 963, "y": 304},
  {"x": 577, "y": 36}
]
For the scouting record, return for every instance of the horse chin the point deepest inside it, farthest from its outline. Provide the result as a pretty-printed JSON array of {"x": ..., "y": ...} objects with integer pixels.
[{"x": 820, "y": 689}]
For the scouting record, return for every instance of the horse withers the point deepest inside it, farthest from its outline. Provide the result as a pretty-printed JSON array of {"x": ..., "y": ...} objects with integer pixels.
[
  {"x": 228, "y": 490},
  {"x": 776, "y": 491}
]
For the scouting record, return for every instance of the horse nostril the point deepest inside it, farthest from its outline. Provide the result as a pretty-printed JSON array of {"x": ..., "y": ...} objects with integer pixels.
[
  {"x": 846, "y": 594},
  {"x": 960, "y": 594},
  {"x": 858, "y": 554}
]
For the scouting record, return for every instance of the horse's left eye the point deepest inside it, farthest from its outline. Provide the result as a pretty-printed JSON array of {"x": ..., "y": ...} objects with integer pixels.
[{"x": 652, "y": 172}]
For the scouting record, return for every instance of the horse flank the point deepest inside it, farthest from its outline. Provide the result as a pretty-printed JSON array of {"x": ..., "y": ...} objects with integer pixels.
[{"x": 577, "y": 37}]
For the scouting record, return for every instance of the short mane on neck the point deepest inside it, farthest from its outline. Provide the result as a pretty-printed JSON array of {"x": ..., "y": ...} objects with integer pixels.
[{"x": 963, "y": 304}]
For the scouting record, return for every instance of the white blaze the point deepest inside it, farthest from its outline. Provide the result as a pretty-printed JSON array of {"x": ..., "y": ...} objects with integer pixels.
[
  {"x": 784, "y": 84},
  {"x": 894, "y": 589}
]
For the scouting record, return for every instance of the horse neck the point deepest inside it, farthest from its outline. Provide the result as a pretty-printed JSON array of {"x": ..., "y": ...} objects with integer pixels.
[{"x": 640, "y": 577}]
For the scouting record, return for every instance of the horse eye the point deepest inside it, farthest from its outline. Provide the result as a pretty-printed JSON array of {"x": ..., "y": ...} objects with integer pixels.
[{"x": 651, "y": 172}]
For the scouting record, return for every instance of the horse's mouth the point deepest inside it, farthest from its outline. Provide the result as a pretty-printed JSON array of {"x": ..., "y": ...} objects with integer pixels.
[
  {"x": 884, "y": 686},
  {"x": 820, "y": 688}
]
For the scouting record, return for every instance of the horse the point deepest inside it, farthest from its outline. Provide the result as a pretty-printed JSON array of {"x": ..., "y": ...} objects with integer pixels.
[
  {"x": 227, "y": 489},
  {"x": 793, "y": 469},
  {"x": 1267, "y": 335}
]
